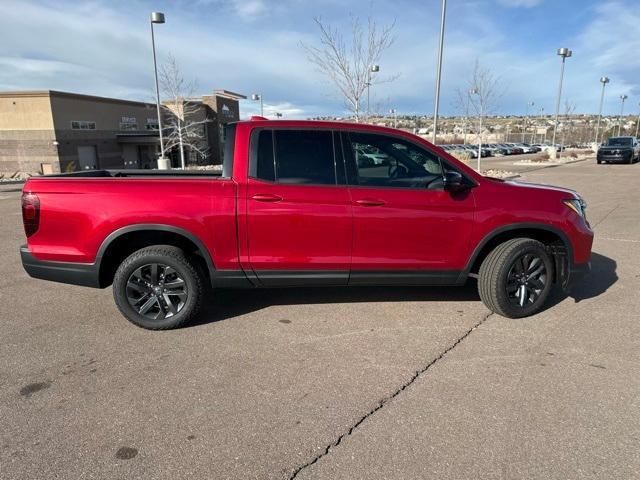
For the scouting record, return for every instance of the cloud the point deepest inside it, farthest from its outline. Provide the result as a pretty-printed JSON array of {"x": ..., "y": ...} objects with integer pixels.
[{"x": 250, "y": 9}]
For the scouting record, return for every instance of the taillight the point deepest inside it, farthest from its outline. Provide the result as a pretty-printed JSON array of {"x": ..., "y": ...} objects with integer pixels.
[{"x": 30, "y": 213}]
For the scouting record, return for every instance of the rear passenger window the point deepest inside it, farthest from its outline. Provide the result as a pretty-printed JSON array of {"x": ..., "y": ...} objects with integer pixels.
[
  {"x": 304, "y": 157},
  {"x": 265, "y": 168}
]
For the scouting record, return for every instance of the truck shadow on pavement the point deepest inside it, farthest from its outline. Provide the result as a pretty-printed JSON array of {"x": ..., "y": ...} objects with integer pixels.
[{"x": 227, "y": 304}]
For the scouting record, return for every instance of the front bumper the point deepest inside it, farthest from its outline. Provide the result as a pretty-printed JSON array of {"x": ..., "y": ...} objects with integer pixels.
[
  {"x": 616, "y": 158},
  {"x": 85, "y": 274},
  {"x": 574, "y": 274}
]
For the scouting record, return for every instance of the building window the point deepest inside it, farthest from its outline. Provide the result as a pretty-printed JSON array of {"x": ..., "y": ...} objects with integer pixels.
[
  {"x": 152, "y": 124},
  {"x": 128, "y": 123},
  {"x": 83, "y": 125}
]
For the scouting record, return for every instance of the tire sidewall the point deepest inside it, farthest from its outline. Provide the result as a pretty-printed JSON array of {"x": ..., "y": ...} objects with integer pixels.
[{"x": 138, "y": 260}]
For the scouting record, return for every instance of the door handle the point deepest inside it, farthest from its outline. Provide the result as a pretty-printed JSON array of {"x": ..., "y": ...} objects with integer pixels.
[
  {"x": 369, "y": 202},
  {"x": 267, "y": 197}
]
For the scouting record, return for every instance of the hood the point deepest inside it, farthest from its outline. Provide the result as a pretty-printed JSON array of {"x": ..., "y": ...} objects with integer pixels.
[
  {"x": 548, "y": 188},
  {"x": 609, "y": 148}
]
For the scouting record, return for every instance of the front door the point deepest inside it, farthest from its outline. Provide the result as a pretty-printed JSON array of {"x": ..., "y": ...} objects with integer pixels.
[
  {"x": 407, "y": 228},
  {"x": 299, "y": 221}
]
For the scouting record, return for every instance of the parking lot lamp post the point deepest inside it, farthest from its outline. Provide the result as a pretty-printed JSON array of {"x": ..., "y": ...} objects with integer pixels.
[
  {"x": 395, "y": 117},
  {"x": 564, "y": 53},
  {"x": 526, "y": 118},
  {"x": 638, "y": 123},
  {"x": 372, "y": 69},
  {"x": 436, "y": 102},
  {"x": 157, "y": 17},
  {"x": 258, "y": 96},
  {"x": 604, "y": 81},
  {"x": 623, "y": 97}
]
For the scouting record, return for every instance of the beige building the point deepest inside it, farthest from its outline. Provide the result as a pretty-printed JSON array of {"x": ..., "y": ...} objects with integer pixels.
[{"x": 49, "y": 131}]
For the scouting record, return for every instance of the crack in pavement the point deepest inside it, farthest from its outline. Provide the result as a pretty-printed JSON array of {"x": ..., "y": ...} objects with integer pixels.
[{"x": 387, "y": 399}]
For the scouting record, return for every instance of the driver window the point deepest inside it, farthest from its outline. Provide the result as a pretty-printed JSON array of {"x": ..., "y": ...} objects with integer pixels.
[{"x": 391, "y": 162}]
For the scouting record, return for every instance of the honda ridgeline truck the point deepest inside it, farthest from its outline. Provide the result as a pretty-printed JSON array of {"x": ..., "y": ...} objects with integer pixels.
[{"x": 301, "y": 203}]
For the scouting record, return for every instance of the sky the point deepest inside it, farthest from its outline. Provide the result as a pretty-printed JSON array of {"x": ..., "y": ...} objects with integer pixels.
[{"x": 103, "y": 47}]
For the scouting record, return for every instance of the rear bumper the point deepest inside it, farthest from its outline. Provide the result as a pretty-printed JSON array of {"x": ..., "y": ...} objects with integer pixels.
[{"x": 85, "y": 274}]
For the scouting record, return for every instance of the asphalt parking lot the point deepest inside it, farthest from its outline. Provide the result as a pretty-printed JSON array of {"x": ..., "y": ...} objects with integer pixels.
[{"x": 373, "y": 383}]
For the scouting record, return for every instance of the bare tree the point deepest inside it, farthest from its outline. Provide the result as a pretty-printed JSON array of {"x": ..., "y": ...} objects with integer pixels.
[
  {"x": 184, "y": 117},
  {"x": 348, "y": 65},
  {"x": 567, "y": 128},
  {"x": 487, "y": 91}
]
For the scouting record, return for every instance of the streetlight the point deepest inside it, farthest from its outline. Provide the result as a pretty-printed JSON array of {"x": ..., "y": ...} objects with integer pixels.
[
  {"x": 439, "y": 75},
  {"x": 372, "y": 69},
  {"x": 564, "y": 53},
  {"x": 475, "y": 91},
  {"x": 604, "y": 81},
  {"x": 157, "y": 17},
  {"x": 623, "y": 97},
  {"x": 258, "y": 96},
  {"x": 526, "y": 118},
  {"x": 638, "y": 123},
  {"x": 395, "y": 117}
]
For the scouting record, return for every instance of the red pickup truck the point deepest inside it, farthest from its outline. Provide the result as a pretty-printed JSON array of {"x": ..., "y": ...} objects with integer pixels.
[{"x": 301, "y": 203}]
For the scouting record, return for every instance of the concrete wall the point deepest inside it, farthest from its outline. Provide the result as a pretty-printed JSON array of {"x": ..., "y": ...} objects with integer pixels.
[{"x": 26, "y": 133}]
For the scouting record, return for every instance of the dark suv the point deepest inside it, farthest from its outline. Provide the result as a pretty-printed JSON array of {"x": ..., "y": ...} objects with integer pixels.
[{"x": 619, "y": 150}]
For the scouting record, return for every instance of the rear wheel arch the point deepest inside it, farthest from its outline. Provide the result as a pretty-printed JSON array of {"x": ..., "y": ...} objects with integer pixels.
[
  {"x": 552, "y": 237},
  {"x": 123, "y": 242}
]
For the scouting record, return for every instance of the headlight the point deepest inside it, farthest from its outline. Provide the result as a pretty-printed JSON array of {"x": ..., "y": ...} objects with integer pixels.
[{"x": 578, "y": 205}]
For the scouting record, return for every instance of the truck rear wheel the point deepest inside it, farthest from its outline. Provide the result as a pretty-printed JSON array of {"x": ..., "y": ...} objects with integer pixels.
[
  {"x": 158, "y": 288},
  {"x": 516, "y": 277}
]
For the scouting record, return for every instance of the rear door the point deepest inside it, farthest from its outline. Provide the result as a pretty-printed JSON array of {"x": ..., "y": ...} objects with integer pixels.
[
  {"x": 299, "y": 218},
  {"x": 407, "y": 228}
]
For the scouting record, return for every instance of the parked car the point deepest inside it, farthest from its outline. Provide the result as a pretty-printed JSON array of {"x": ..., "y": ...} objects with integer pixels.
[
  {"x": 292, "y": 207},
  {"x": 619, "y": 150}
]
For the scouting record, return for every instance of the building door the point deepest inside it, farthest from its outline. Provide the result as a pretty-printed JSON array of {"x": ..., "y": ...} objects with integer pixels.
[
  {"x": 88, "y": 157},
  {"x": 131, "y": 156}
]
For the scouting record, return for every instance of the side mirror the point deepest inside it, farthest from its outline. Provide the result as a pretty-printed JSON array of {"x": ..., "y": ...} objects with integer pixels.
[{"x": 453, "y": 181}]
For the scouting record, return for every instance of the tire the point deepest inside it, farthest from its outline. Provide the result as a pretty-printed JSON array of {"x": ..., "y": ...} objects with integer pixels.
[
  {"x": 499, "y": 274},
  {"x": 143, "y": 296},
  {"x": 599, "y": 162}
]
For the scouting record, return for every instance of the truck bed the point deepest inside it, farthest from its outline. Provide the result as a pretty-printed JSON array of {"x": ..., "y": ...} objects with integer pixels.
[{"x": 135, "y": 173}]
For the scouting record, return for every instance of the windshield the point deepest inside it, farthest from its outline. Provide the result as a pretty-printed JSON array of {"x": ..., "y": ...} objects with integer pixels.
[{"x": 619, "y": 142}]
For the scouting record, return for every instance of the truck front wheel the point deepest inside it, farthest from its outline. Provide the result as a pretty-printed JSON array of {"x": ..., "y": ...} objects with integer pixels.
[
  {"x": 516, "y": 277},
  {"x": 158, "y": 288}
]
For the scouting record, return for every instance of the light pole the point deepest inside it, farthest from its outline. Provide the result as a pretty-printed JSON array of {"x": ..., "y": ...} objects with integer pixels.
[
  {"x": 372, "y": 69},
  {"x": 395, "y": 117},
  {"x": 564, "y": 53},
  {"x": 157, "y": 17},
  {"x": 604, "y": 81},
  {"x": 638, "y": 123},
  {"x": 258, "y": 96},
  {"x": 623, "y": 97},
  {"x": 439, "y": 70},
  {"x": 526, "y": 118},
  {"x": 475, "y": 91}
]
